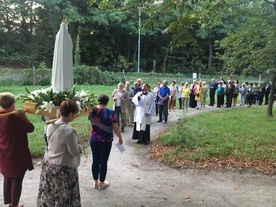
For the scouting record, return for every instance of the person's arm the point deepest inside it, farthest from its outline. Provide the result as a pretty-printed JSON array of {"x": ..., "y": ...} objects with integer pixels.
[
  {"x": 131, "y": 94},
  {"x": 73, "y": 147},
  {"x": 126, "y": 96},
  {"x": 117, "y": 132},
  {"x": 151, "y": 110},
  {"x": 136, "y": 98},
  {"x": 23, "y": 122},
  {"x": 167, "y": 95},
  {"x": 159, "y": 95},
  {"x": 22, "y": 113},
  {"x": 113, "y": 95}
]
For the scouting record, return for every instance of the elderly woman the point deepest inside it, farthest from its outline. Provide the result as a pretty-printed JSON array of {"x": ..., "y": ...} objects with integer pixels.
[
  {"x": 59, "y": 181},
  {"x": 205, "y": 94},
  {"x": 129, "y": 105},
  {"x": 120, "y": 96},
  {"x": 199, "y": 92},
  {"x": 15, "y": 156}
]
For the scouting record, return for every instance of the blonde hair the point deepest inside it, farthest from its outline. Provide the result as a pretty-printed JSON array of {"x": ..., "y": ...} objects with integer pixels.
[
  {"x": 6, "y": 100},
  {"x": 186, "y": 84}
]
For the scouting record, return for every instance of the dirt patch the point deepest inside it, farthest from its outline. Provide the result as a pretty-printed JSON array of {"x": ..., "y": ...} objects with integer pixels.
[{"x": 265, "y": 166}]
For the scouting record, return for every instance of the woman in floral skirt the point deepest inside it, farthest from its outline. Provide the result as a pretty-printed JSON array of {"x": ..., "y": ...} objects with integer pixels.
[{"x": 59, "y": 181}]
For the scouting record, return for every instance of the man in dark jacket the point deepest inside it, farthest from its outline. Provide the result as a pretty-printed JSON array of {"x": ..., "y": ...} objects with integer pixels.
[
  {"x": 266, "y": 93},
  {"x": 230, "y": 88},
  {"x": 212, "y": 90}
]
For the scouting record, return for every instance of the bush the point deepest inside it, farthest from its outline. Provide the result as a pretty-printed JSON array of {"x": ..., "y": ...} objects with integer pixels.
[
  {"x": 92, "y": 75},
  {"x": 42, "y": 76}
]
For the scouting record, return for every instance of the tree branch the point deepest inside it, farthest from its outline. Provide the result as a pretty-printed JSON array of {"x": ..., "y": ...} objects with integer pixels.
[{"x": 270, "y": 2}]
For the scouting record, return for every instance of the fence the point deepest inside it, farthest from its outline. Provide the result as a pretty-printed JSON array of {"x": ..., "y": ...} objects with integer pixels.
[{"x": 17, "y": 77}]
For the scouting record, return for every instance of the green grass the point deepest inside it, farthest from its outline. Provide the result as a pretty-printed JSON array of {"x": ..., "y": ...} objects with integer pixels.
[
  {"x": 246, "y": 133},
  {"x": 242, "y": 132},
  {"x": 82, "y": 125}
]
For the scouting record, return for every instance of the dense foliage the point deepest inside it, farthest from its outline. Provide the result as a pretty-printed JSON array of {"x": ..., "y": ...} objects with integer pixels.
[{"x": 204, "y": 36}]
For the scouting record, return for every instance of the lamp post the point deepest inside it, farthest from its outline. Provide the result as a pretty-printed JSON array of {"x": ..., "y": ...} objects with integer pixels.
[{"x": 139, "y": 42}]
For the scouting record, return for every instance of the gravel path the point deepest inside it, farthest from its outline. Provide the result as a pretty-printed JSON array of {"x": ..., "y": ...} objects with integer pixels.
[{"x": 137, "y": 181}]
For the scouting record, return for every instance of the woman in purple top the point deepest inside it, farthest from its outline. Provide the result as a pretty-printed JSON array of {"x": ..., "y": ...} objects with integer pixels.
[{"x": 103, "y": 121}]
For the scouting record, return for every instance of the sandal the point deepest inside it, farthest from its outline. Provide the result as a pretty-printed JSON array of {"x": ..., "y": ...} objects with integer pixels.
[
  {"x": 103, "y": 185},
  {"x": 95, "y": 185}
]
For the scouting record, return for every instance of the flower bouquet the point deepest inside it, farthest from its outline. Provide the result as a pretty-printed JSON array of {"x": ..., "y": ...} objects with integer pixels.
[{"x": 46, "y": 101}]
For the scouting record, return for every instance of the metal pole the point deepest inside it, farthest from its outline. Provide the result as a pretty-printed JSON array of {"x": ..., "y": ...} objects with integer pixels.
[{"x": 139, "y": 33}]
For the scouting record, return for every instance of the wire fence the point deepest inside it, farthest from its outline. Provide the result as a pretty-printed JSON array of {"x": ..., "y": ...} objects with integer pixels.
[{"x": 17, "y": 77}]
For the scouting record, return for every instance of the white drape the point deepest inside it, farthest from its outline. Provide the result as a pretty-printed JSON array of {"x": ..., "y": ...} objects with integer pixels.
[{"x": 62, "y": 68}]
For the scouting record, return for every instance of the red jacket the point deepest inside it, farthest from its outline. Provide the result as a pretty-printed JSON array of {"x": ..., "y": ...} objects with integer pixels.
[{"x": 15, "y": 156}]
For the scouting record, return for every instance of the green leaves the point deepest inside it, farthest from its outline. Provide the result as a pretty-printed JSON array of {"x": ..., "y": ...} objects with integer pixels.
[{"x": 84, "y": 98}]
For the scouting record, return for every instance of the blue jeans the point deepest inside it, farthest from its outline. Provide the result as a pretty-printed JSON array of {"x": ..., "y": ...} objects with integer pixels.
[{"x": 100, "y": 154}]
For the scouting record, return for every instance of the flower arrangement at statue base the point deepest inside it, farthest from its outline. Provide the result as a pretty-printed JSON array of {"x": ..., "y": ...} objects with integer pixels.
[
  {"x": 46, "y": 102},
  {"x": 31, "y": 109}
]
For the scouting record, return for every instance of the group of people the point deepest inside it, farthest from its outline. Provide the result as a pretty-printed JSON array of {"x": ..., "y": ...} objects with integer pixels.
[
  {"x": 59, "y": 181},
  {"x": 229, "y": 91},
  {"x": 134, "y": 107},
  {"x": 224, "y": 93}
]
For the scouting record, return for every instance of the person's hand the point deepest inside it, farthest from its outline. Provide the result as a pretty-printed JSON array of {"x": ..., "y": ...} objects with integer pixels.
[
  {"x": 82, "y": 141},
  {"x": 121, "y": 141},
  {"x": 21, "y": 112}
]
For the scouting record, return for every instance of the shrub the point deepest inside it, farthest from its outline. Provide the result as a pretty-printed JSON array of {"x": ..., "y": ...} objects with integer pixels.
[
  {"x": 92, "y": 75},
  {"x": 42, "y": 76}
]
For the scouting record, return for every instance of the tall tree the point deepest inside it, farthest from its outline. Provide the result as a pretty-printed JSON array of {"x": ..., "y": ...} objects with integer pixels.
[{"x": 253, "y": 46}]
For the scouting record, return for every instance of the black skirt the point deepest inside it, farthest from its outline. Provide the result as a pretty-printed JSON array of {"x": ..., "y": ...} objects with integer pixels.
[{"x": 142, "y": 136}]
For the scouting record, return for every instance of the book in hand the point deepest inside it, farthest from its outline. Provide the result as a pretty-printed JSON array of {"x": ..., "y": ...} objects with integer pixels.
[{"x": 121, "y": 148}]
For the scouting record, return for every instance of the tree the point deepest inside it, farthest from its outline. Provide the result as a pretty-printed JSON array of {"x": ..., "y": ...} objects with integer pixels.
[{"x": 253, "y": 46}]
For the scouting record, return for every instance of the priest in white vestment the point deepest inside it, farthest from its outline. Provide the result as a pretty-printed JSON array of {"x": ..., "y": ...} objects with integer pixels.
[{"x": 144, "y": 109}]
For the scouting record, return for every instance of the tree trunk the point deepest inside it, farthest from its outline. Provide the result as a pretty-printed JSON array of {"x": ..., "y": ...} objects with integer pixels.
[
  {"x": 128, "y": 50},
  {"x": 210, "y": 53},
  {"x": 223, "y": 69},
  {"x": 134, "y": 57},
  {"x": 165, "y": 56},
  {"x": 271, "y": 98}
]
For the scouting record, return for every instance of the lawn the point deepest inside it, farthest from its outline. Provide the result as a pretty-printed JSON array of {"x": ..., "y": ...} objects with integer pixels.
[
  {"x": 82, "y": 125},
  {"x": 238, "y": 136},
  {"x": 224, "y": 137}
]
